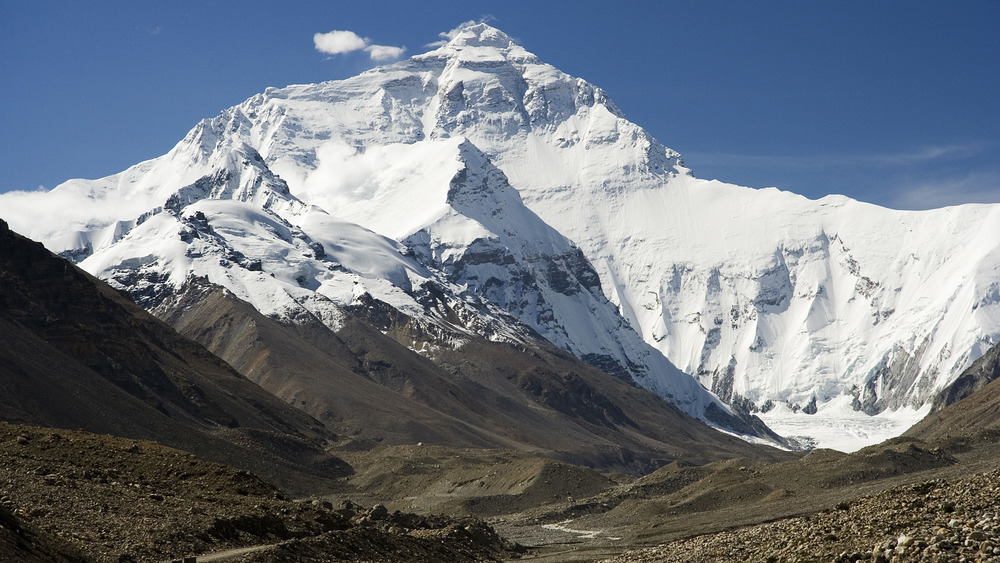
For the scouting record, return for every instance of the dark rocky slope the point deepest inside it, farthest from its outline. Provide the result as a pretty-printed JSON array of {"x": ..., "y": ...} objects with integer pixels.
[
  {"x": 78, "y": 354},
  {"x": 970, "y": 427},
  {"x": 21, "y": 542},
  {"x": 980, "y": 374}
]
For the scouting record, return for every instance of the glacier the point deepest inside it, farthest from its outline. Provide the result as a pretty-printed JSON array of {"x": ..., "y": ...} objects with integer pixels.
[{"x": 480, "y": 169}]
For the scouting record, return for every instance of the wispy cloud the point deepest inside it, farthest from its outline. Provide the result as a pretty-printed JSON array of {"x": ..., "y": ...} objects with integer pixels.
[
  {"x": 975, "y": 187},
  {"x": 927, "y": 154},
  {"x": 342, "y": 41},
  {"x": 151, "y": 31},
  {"x": 925, "y": 177},
  {"x": 447, "y": 36},
  {"x": 71, "y": 206},
  {"x": 919, "y": 155}
]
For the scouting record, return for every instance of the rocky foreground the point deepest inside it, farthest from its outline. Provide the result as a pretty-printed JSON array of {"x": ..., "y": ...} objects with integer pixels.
[
  {"x": 75, "y": 496},
  {"x": 930, "y": 521},
  {"x": 78, "y": 497}
]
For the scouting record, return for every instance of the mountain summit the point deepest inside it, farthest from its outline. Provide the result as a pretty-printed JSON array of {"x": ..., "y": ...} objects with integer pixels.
[{"x": 480, "y": 191}]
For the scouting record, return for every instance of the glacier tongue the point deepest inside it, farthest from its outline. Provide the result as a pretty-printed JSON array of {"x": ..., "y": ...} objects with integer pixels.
[{"x": 480, "y": 169}]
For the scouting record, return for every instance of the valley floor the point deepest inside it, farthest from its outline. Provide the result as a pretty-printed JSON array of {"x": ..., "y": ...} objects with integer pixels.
[{"x": 77, "y": 497}]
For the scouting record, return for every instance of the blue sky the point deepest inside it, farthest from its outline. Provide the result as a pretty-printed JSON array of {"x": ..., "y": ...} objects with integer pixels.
[{"x": 894, "y": 103}]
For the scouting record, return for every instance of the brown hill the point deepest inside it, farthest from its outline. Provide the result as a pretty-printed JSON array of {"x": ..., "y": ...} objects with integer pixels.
[
  {"x": 363, "y": 382},
  {"x": 78, "y": 354}
]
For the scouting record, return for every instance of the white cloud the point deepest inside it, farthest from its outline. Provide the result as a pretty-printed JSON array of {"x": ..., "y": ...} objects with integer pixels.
[
  {"x": 340, "y": 41},
  {"x": 70, "y": 208},
  {"x": 384, "y": 52}
]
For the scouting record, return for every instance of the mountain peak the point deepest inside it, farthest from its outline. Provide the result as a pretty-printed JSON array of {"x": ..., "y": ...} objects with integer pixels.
[
  {"x": 479, "y": 182},
  {"x": 479, "y": 44},
  {"x": 482, "y": 35},
  {"x": 497, "y": 154}
]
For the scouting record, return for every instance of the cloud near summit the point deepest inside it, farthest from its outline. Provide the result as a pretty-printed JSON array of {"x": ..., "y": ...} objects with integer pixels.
[
  {"x": 338, "y": 42},
  {"x": 447, "y": 36}
]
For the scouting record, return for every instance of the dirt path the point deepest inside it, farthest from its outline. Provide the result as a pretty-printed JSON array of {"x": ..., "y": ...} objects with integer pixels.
[
  {"x": 225, "y": 555},
  {"x": 559, "y": 554}
]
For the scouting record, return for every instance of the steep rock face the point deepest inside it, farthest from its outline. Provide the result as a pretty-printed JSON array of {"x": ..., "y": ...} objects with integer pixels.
[
  {"x": 474, "y": 229},
  {"x": 967, "y": 414},
  {"x": 831, "y": 313},
  {"x": 980, "y": 374}
]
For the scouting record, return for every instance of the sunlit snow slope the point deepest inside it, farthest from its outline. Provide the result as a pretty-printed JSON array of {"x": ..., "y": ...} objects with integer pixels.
[{"x": 481, "y": 167}]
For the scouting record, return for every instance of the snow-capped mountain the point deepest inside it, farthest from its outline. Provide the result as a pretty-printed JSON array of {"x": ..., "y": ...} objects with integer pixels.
[
  {"x": 524, "y": 195},
  {"x": 456, "y": 248}
]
